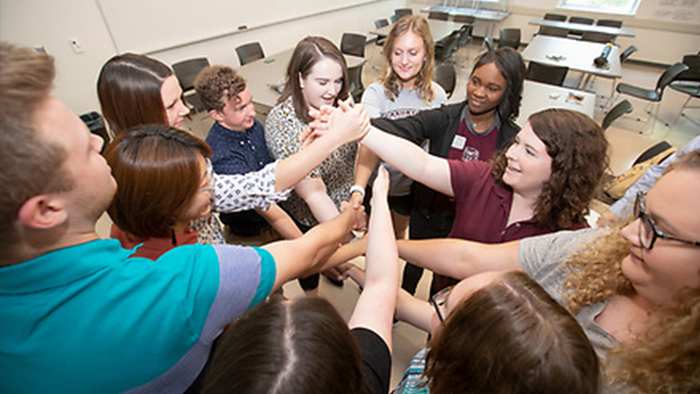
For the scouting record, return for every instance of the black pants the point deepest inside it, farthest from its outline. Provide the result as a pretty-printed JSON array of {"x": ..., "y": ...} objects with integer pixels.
[{"x": 434, "y": 225}]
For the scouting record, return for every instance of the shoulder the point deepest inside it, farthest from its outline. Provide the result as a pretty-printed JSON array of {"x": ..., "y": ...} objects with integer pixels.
[{"x": 551, "y": 249}]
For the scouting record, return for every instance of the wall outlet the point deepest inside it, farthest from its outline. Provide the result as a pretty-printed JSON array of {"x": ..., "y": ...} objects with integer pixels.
[{"x": 77, "y": 46}]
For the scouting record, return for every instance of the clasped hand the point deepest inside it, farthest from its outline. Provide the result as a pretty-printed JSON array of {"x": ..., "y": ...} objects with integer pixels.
[{"x": 348, "y": 122}]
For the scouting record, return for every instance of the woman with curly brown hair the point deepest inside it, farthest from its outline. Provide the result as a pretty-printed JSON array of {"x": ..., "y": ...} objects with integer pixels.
[
  {"x": 635, "y": 291},
  {"x": 541, "y": 182}
]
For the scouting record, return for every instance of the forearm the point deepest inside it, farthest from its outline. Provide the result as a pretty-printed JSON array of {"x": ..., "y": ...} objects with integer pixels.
[
  {"x": 458, "y": 258},
  {"x": 411, "y": 160},
  {"x": 313, "y": 192},
  {"x": 305, "y": 254},
  {"x": 366, "y": 162},
  {"x": 376, "y": 305},
  {"x": 413, "y": 311},
  {"x": 346, "y": 253},
  {"x": 281, "y": 222},
  {"x": 294, "y": 168}
]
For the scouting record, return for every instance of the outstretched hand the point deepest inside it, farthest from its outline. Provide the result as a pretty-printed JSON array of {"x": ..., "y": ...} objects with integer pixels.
[{"x": 346, "y": 123}]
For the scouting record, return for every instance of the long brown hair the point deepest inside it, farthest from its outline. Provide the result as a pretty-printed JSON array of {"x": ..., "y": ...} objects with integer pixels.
[
  {"x": 511, "y": 337},
  {"x": 158, "y": 173},
  {"x": 579, "y": 153},
  {"x": 418, "y": 25},
  {"x": 300, "y": 346},
  {"x": 129, "y": 91},
  {"x": 307, "y": 53}
]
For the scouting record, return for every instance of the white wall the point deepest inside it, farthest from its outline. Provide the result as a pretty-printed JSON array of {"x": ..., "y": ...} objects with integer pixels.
[{"x": 53, "y": 24}]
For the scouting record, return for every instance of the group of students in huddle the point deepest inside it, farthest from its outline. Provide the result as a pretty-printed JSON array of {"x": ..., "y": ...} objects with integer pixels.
[{"x": 525, "y": 297}]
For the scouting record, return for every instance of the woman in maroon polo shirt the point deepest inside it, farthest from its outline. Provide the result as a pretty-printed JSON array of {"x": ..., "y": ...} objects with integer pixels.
[{"x": 542, "y": 182}]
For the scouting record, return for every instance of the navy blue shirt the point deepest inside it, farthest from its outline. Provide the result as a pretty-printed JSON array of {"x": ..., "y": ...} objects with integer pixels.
[{"x": 239, "y": 152}]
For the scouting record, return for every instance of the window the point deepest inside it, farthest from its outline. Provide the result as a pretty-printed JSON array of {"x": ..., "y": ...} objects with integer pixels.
[{"x": 625, "y": 7}]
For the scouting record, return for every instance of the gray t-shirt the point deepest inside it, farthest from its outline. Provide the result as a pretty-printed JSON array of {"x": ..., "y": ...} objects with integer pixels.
[
  {"x": 407, "y": 103},
  {"x": 541, "y": 259}
]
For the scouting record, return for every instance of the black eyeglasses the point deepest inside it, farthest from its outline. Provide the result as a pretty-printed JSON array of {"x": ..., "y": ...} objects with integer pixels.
[
  {"x": 649, "y": 232},
  {"x": 438, "y": 301}
]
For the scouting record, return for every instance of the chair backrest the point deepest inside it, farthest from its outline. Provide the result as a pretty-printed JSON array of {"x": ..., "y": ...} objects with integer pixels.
[
  {"x": 553, "y": 31},
  {"x": 465, "y": 33},
  {"x": 444, "y": 48},
  {"x": 669, "y": 76},
  {"x": 654, "y": 150},
  {"x": 187, "y": 70},
  {"x": 609, "y": 22},
  {"x": 465, "y": 19},
  {"x": 623, "y": 107},
  {"x": 446, "y": 76},
  {"x": 395, "y": 18},
  {"x": 594, "y": 36},
  {"x": 443, "y": 16},
  {"x": 403, "y": 11},
  {"x": 355, "y": 86},
  {"x": 509, "y": 38},
  {"x": 489, "y": 43},
  {"x": 379, "y": 23},
  {"x": 554, "y": 17},
  {"x": 353, "y": 44},
  {"x": 582, "y": 20},
  {"x": 553, "y": 75},
  {"x": 249, "y": 52},
  {"x": 627, "y": 53},
  {"x": 693, "y": 72}
]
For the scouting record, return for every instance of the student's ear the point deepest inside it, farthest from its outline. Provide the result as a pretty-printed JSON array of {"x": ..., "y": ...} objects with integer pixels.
[
  {"x": 216, "y": 115},
  {"x": 301, "y": 81},
  {"x": 42, "y": 213}
]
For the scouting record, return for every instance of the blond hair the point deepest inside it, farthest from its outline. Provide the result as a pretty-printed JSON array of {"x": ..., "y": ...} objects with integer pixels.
[
  {"x": 665, "y": 357},
  {"x": 424, "y": 79}
]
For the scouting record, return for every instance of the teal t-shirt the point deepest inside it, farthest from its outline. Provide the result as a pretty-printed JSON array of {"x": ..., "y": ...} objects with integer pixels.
[{"x": 89, "y": 319}]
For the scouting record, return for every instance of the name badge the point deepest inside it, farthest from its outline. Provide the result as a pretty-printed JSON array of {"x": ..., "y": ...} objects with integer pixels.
[{"x": 459, "y": 142}]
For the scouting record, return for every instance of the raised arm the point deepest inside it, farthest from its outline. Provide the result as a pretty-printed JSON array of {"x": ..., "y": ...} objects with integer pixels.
[
  {"x": 366, "y": 161},
  {"x": 305, "y": 254},
  {"x": 459, "y": 258},
  {"x": 375, "y": 307},
  {"x": 411, "y": 160}
]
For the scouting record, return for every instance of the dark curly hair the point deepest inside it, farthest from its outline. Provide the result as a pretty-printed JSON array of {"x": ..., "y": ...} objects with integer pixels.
[
  {"x": 215, "y": 85},
  {"x": 579, "y": 153},
  {"x": 510, "y": 64}
]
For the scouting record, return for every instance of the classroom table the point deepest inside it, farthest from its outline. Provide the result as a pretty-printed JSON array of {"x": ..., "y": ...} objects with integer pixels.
[
  {"x": 576, "y": 54},
  {"x": 488, "y": 16},
  {"x": 265, "y": 77},
  {"x": 538, "y": 96},
  {"x": 580, "y": 27}
]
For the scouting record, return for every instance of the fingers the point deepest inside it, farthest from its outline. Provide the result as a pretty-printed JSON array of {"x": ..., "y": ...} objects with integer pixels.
[{"x": 356, "y": 200}]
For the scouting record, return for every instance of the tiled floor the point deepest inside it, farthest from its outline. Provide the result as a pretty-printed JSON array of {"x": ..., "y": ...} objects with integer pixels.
[{"x": 624, "y": 136}]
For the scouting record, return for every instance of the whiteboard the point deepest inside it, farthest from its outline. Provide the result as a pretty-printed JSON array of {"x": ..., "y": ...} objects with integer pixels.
[{"x": 153, "y": 25}]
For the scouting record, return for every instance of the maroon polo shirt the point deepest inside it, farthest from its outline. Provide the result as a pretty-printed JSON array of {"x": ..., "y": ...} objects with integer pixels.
[{"x": 482, "y": 209}]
